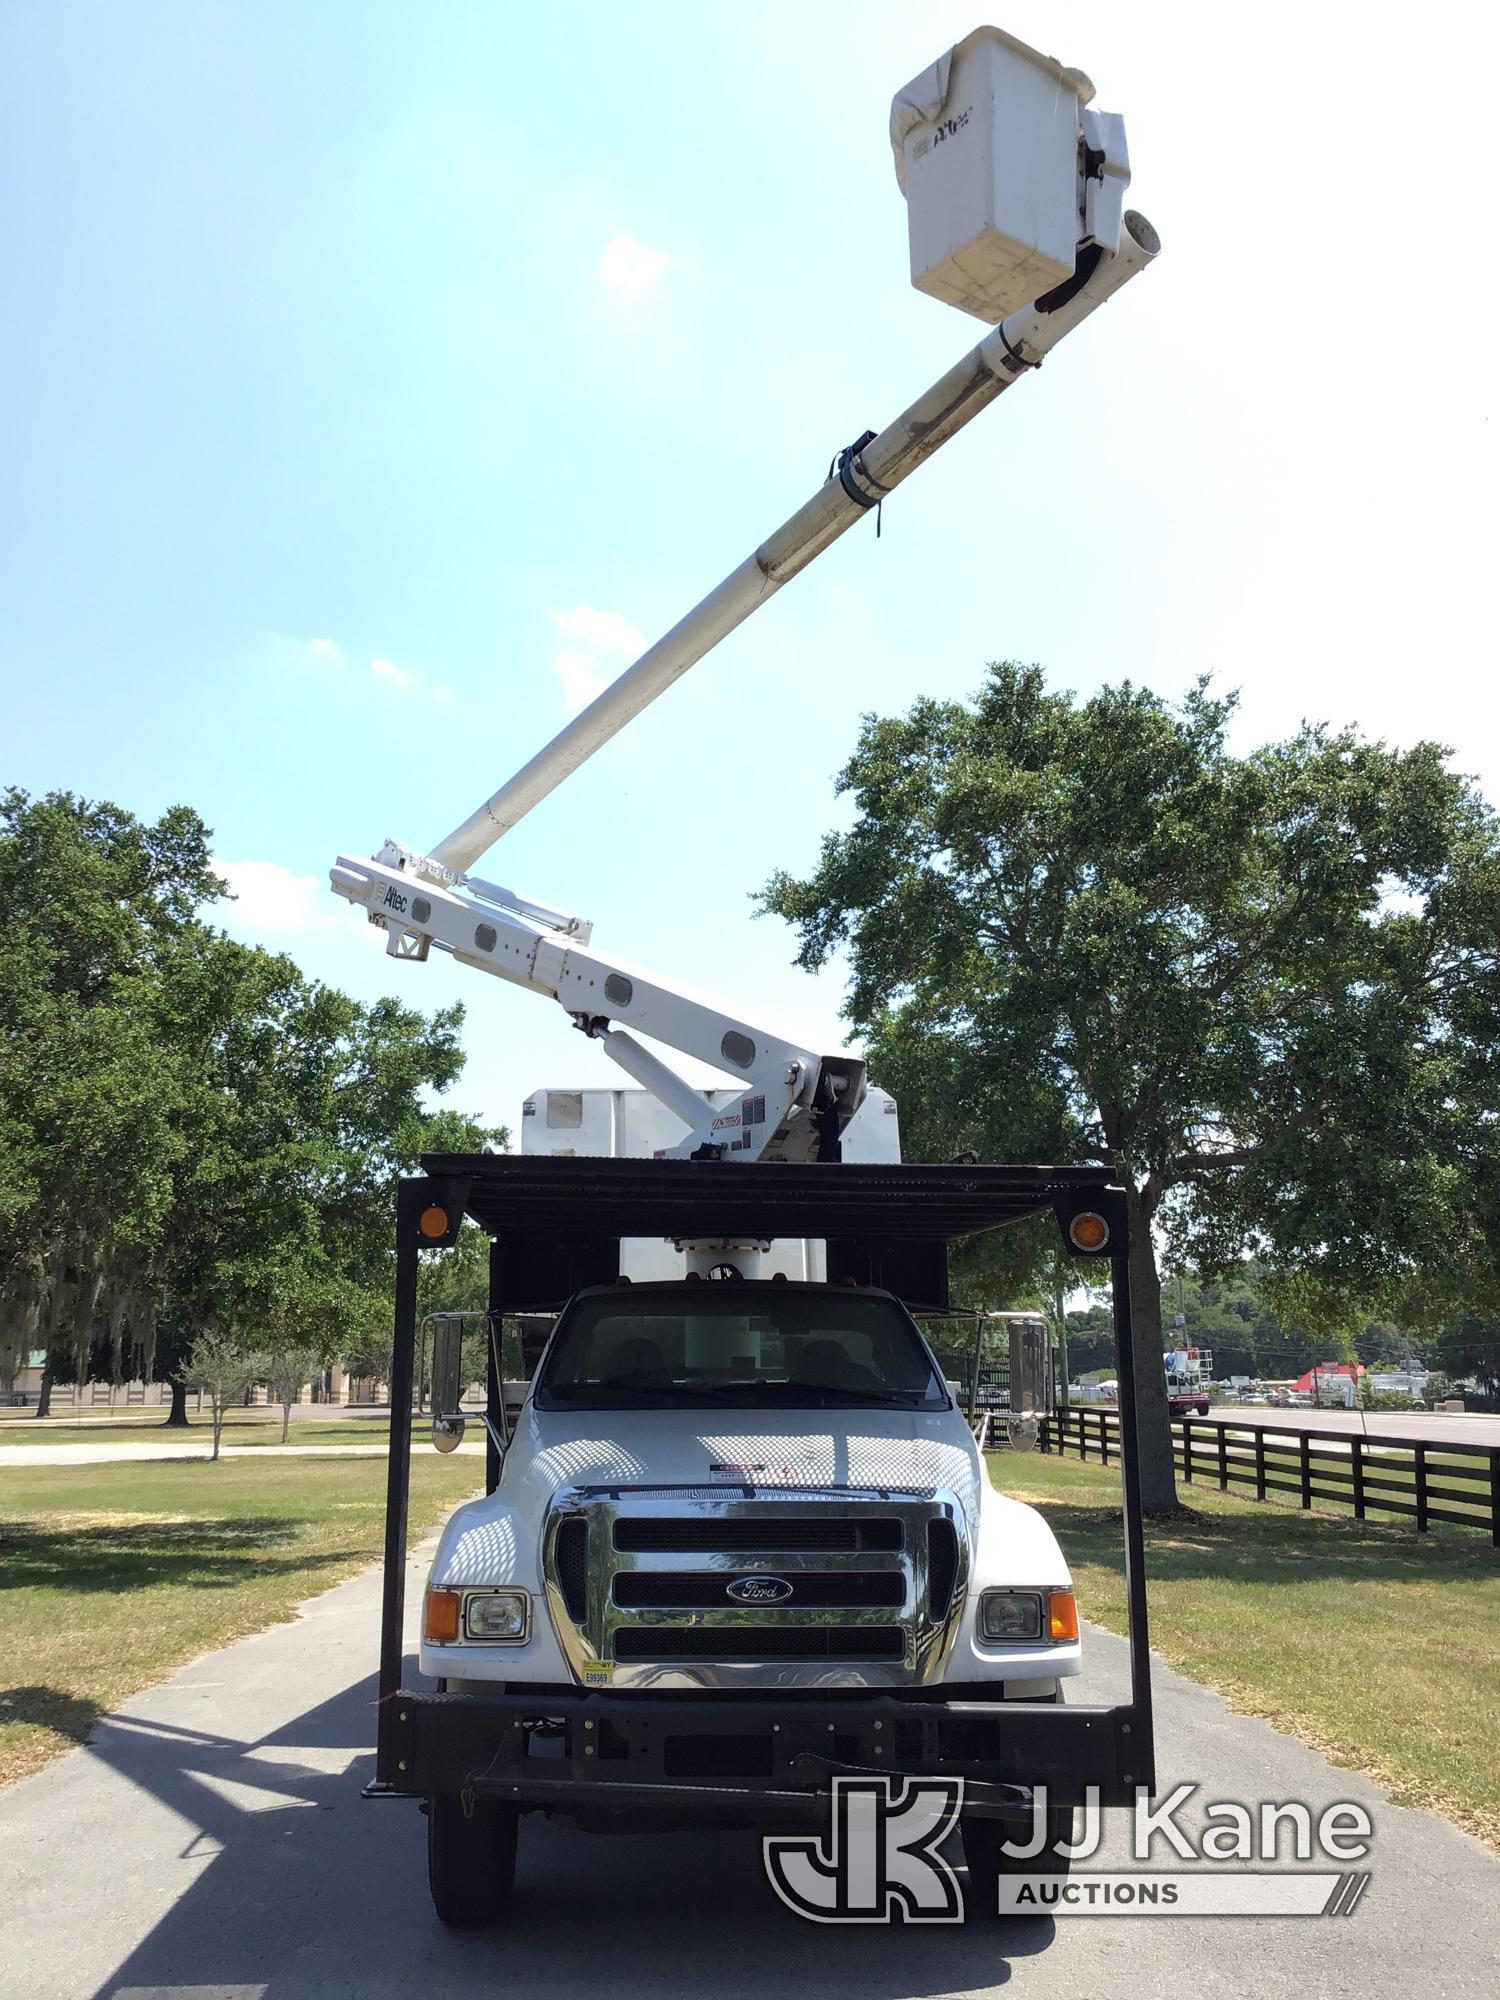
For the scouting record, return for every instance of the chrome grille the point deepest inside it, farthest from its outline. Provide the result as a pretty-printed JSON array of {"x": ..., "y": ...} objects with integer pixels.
[
  {"x": 873, "y": 1585},
  {"x": 812, "y": 1591},
  {"x": 942, "y": 1565},
  {"x": 761, "y": 1642},
  {"x": 728, "y": 1536},
  {"x": 573, "y": 1565}
]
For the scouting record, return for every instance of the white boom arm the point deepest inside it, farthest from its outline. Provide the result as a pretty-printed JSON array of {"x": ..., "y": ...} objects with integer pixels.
[
  {"x": 794, "y": 1103},
  {"x": 866, "y": 472}
]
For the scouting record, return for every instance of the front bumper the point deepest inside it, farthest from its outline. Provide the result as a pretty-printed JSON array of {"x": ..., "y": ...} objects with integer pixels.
[{"x": 770, "y": 1757}]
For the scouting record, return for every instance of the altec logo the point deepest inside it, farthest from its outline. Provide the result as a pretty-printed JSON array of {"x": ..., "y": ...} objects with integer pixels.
[{"x": 881, "y": 1864}]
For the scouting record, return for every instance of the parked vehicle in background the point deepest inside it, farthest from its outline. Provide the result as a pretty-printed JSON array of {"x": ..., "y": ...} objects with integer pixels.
[{"x": 1188, "y": 1371}]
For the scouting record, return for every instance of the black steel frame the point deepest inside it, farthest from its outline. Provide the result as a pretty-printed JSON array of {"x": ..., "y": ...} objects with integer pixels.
[{"x": 884, "y": 1219}]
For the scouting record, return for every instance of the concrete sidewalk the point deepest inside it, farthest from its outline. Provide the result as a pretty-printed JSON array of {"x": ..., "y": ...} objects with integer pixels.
[{"x": 115, "y": 1454}]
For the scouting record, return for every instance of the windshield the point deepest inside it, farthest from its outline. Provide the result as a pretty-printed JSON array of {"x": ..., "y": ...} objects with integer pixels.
[{"x": 758, "y": 1346}]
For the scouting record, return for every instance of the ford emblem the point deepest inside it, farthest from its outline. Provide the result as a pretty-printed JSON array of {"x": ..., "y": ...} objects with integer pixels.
[{"x": 759, "y": 1590}]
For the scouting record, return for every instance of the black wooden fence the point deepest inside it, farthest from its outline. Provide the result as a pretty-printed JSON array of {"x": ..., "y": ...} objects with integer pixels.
[{"x": 1413, "y": 1478}]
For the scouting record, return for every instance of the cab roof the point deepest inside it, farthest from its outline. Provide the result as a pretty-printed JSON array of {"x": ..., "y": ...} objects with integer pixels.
[{"x": 512, "y": 1192}]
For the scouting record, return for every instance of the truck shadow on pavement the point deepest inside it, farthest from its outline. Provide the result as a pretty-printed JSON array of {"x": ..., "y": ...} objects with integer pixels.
[{"x": 309, "y": 1890}]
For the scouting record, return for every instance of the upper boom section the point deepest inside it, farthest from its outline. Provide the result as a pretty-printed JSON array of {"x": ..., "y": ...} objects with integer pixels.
[
  {"x": 1015, "y": 199},
  {"x": 1076, "y": 186}
]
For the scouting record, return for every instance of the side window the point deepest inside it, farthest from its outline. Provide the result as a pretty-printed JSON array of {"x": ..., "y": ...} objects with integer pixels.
[{"x": 564, "y": 1110}]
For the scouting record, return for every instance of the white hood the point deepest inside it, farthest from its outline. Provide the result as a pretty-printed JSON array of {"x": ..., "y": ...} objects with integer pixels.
[
  {"x": 916, "y": 1450},
  {"x": 498, "y": 1539}
]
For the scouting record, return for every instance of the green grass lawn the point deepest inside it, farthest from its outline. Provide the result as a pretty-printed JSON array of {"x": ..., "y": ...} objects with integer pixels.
[
  {"x": 257, "y": 1427},
  {"x": 111, "y": 1576},
  {"x": 1379, "y": 1647}
]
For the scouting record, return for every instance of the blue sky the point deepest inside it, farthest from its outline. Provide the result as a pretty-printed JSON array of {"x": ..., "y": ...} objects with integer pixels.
[{"x": 375, "y": 376}]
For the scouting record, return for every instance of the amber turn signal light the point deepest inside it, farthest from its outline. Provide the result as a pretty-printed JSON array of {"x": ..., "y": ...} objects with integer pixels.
[
  {"x": 1062, "y": 1616},
  {"x": 440, "y": 1616}
]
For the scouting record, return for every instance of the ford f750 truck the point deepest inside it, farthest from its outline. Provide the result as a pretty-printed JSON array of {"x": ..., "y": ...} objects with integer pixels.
[{"x": 739, "y": 1540}]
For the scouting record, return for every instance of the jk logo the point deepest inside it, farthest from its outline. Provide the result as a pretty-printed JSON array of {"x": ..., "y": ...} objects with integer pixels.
[{"x": 881, "y": 1861}]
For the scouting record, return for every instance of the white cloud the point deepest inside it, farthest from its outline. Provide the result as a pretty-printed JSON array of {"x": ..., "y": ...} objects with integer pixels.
[
  {"x": 630, "y": 268},
  {"x": 273, "y": 903},
  {"x": 606, "y": 641},
  {"x": 580, "y": 683},
  {"x": 404, "y": 680},
  {"x": 603, "y": 631}
]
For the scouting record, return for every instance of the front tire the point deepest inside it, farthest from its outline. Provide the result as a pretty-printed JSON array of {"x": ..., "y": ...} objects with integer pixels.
[
  {"x": 986, "y": 1863},
  {"x": 471, "y": 1860}
]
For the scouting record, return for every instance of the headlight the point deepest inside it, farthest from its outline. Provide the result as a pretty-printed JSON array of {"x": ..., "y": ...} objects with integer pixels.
[
  {"x": 1028, "y": 1614},
  {"x": 1010, "y": 1614},
  {"x": 497, "y": 1615}
]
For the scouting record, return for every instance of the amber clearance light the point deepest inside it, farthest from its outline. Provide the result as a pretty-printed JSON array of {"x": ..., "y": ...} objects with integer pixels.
[
  {"x": 1088, "y": 1231},
  {"x": 433, "y": 1222}
]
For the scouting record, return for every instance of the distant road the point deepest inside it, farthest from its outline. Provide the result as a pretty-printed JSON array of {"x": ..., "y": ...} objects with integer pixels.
[
  {"x": 145, "y": 1451},
  {"x": 1477, "y": 1433}
]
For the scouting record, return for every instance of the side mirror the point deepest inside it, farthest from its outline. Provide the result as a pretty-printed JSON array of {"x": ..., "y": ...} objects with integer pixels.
[
  {"x": 1021, "y": 1433},
  {"x": 1030, "y": 1383},
  {"x": 447, "y": 1384}
]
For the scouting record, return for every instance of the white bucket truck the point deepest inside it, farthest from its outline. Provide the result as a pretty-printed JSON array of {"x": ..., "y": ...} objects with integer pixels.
[{"x": 740, "y": 1547}]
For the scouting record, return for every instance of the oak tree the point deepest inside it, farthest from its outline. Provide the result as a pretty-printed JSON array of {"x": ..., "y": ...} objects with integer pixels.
[{"x": 1259, "y": 986}]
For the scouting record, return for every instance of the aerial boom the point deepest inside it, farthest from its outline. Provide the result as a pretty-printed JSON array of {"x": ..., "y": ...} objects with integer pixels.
[{"x": 1015, "y": 201}]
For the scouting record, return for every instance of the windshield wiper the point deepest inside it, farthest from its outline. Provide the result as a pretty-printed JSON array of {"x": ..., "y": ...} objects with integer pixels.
[
  {"x": 898, "y": 1399},
  {"x": 734, "y": 1395},
  {"x": 603, "y": 1395}
]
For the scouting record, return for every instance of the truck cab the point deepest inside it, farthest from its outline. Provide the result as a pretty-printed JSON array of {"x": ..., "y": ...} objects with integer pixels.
[
  {"x": 757, "y": 1486},
  {"x": 739, "y": 1547}
]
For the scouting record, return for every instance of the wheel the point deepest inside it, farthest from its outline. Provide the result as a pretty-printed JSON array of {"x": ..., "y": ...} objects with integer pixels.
[
  {"x": 471, "y": 1860},
  {"x": 986, "y": 1864}
]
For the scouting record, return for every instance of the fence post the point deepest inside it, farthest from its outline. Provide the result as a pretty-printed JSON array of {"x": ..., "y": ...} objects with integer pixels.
[
  {"x": 1357, "y": 1470},
  {"x": 1260, "y": 1461},
  {"x": 1187, "y": 1448},
  {"x": 1104, "y": 1437},
  {"x": 1495, "y": 1498},
  {"x": 1419, "y": 1466},
  {"x": 1306, "y": 1470},
  {"x": 1223, "y": 1459}
]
